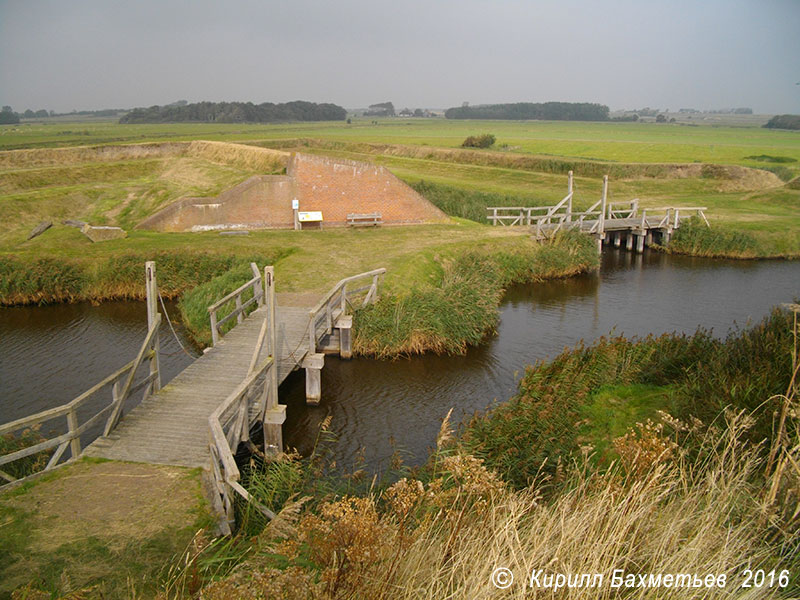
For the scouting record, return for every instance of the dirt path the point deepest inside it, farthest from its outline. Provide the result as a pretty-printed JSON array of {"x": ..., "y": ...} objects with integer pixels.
[{"x": 102, "y": 525}]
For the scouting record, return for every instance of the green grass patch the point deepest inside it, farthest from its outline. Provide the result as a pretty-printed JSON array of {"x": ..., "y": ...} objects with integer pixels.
[
  {"x": 611, "y": 411},
  {"x": 194, "y": 304},
  {"x": 467, "y": 204}
]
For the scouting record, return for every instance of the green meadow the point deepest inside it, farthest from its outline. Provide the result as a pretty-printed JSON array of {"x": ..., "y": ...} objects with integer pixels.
[{"x": 660, "y": 164}]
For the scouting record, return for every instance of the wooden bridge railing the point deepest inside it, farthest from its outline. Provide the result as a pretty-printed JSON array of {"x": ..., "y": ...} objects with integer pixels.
[
  {"x": 335, "y": 303},
  {"x": 229, "y": 426},
  {"x": 256, "y": 398},
  {"x": 122, "y": 386},
  {"x": 240, "y": 305},
  {"x": 623, "y": 210}
]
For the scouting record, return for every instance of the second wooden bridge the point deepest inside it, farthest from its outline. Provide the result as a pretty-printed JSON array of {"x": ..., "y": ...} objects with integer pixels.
[{"x": 605, "y": 221}]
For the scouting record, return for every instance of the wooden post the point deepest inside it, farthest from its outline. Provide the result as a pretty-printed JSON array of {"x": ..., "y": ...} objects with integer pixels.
[
  {"x": 258, "y": 289},
  {"x": 569, "y": 191},
  {"x": 151, "y": 287},
  {"x": 602, "y": 224},
  {"x": 345, "y": 325},
  {"x": 640, "y": 243},
  {"x": 239, "y": 315},
  {"x": 274, "y": 413},
  {"x": 214, "y": 328},
  {"x": 75, "y": 443},
  {"x": 629, "y": 241},
  {"x": 617, "y": 239},
  {"x": 313, "y": 363}
]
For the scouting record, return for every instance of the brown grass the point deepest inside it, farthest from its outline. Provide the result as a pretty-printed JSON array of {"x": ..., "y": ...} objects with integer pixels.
[
  {"x": 249, "y": 157},
  {"x": 678, "y": 514}
]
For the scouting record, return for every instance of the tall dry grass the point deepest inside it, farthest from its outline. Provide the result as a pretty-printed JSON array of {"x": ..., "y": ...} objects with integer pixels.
[{"x": 444, "y": 534}]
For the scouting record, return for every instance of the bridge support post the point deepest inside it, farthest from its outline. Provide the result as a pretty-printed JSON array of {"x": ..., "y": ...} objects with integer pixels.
[
  {"x": 345, "y": 326},
  {"x": 617, "y": 239},
  {"x": 639, "y": 243},
  {"x": 274, "y": 419},
  {"x": 629, "y": 241},
  {"x": 648, "y": 240},
  {"x": 598, "y": 240},
  {"x": 313, "y": 363}
]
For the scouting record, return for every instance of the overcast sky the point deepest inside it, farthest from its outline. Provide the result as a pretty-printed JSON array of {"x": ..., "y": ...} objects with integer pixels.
[{"x": 90, "y": 54}]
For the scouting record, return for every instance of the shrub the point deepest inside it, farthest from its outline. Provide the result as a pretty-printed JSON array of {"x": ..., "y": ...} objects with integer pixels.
[{"x": 485, "y": 140}]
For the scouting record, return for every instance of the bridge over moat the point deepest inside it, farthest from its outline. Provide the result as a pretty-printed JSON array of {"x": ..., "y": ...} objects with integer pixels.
[
  {"x": 203, "y": 415},
  {"x": 607, "y": 222}
]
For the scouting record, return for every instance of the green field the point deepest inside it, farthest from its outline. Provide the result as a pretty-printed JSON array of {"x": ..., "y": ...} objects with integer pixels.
[
  {"x": 526, "y": 166},
  {"x": 620, "y": 142}
]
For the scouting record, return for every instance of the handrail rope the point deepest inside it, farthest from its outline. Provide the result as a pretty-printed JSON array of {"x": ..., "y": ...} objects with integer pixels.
[{"x": 164, "y": 308}]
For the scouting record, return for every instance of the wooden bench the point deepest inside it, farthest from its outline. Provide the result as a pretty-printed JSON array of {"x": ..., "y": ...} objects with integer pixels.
[{"x": 367, "y": 219}]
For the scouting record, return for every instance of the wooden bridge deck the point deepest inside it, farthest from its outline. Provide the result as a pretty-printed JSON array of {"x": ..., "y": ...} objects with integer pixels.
[{"x": 171, "y": 427}]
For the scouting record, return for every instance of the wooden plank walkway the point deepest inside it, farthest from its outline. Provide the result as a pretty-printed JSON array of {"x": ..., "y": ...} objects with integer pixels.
[{"x": 171, "y": 427}]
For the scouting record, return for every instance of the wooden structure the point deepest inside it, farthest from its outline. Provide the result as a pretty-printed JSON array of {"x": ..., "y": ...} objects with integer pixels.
[
  {"x": 367, "y": 219},
  {"x": 605, "y": 221},
  {"x": 118, "y": 387},
  {"x": 202, "y": 416}
]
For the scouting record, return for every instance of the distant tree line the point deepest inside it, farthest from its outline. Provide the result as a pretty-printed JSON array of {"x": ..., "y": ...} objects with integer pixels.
[
  {"x": 382, "y": 109},
  {"x": 8, "y": 116},
  {"x": 236, "y": 112},
  {"x": 551, "y": 111},
  {"x": 784, "y": 122}
]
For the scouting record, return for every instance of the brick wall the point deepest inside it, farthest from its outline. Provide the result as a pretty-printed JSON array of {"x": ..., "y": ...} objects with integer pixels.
[
  {"x": 338, "y": 187},
  {"x": 260, "y": 202},
  {"x": 334, "y": 186}
]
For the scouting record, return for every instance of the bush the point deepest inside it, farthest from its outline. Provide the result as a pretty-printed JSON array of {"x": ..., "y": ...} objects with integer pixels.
[
  {"x": 784, "y": 122},
  {"x": 485, "y": 140}
]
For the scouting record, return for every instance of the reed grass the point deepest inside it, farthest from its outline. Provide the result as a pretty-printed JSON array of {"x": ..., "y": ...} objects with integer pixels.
[
  {"x": 460, "y": 307},
  {"x": 697, "y": 239}
]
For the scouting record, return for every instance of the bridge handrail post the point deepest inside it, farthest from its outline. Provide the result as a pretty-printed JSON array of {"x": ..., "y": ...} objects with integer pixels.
[
  {"x": 151, "y": 288},
  {"x": 258, "y": 284},
  {"x": 602, "y": 219},
  {"x": 569, "y": 193}
]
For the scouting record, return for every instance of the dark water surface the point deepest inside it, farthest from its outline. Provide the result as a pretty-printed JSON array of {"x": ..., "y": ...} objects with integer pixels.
[{"x": 51, "y": 354}]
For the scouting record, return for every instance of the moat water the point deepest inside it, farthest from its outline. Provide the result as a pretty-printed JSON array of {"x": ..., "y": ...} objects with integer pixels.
[{"x": 50, "y": 354}]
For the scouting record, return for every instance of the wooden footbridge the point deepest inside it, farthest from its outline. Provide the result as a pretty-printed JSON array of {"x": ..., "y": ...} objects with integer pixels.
[
  {"x": 608, "y": 222},
  {"x": 202, "y": 416}
]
